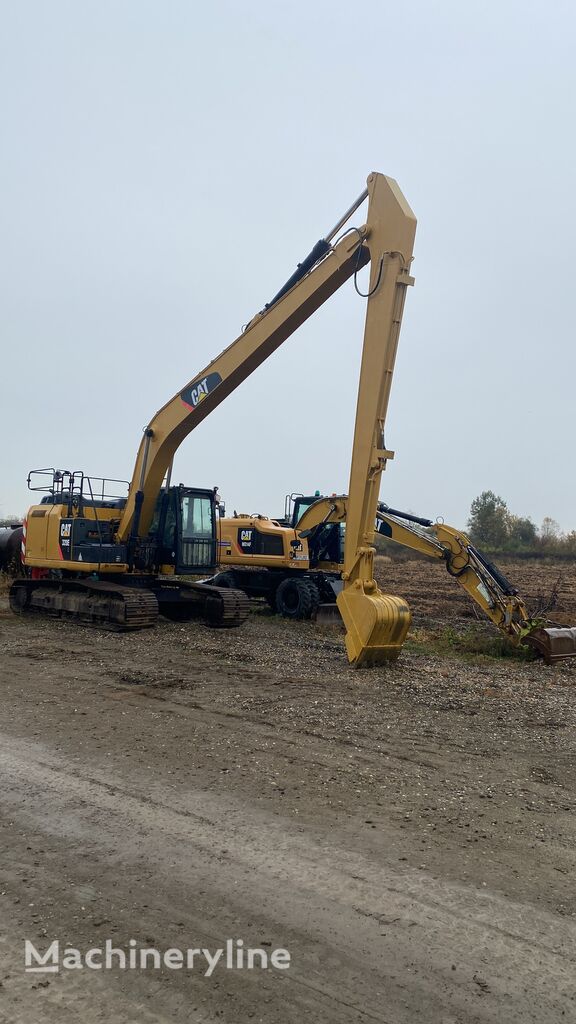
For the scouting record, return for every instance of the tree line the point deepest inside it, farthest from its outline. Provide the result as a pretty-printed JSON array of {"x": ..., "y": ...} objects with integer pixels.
[{"x": 493, "y": 527}]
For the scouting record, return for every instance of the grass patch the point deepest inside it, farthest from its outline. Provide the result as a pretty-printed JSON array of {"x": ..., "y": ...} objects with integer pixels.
[{"x": 471, "y": 644}]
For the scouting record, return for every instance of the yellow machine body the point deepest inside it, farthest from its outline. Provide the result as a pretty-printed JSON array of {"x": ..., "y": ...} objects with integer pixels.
[
  {"x": 49, "y": 530},
  {"x": 258, "y": 541}
]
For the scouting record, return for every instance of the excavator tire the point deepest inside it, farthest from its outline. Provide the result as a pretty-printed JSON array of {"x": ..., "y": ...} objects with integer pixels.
[
  {"x": 297, "y": 599},
  {"x": 315, "y": 598}
]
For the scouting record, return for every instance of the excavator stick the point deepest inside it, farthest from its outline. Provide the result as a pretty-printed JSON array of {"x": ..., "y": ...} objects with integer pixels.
[
  {"x": 376, "y": 624},
  {"x": 553, "y": 643},
  {"x": 485, "y": 582}
]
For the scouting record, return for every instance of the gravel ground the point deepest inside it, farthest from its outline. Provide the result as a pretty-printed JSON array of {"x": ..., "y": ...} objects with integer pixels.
[{"x": 444, "y": 780}]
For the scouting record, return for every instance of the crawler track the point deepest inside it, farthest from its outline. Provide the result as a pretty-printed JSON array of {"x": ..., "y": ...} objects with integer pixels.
[
  {"x": 219, "y": 607},
  {"x": 93, "y": 602},
  {"x": 234, "y": 606}
]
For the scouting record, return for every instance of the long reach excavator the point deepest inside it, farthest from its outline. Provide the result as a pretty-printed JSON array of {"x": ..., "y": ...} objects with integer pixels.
[{"x": 115, "y": 560}]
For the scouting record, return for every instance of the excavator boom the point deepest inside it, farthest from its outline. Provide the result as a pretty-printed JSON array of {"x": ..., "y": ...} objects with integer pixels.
[
  {"x": 325, "y": 270},
  {"x": 386, "y": 239},
  {"x": 376, "y": 624}
]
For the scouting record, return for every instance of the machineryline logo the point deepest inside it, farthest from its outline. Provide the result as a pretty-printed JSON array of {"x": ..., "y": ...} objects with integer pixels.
[{"x": 234, "y": 955}]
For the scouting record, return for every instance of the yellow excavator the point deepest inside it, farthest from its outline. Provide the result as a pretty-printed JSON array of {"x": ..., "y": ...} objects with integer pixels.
[
  {"x": 115, "y": 559},
  {"x": 296, "y": 562}
]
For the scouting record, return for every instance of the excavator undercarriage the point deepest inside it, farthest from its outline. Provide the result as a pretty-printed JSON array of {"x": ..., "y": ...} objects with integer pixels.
[{"x": 120, "y": 609}]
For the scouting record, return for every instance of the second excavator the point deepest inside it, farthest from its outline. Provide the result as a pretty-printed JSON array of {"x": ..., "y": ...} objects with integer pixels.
[{"x": 296, "y": 562}]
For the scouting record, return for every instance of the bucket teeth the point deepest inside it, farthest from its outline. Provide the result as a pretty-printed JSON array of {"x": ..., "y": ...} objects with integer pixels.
[
  {"x": 553, "y": 643},
  {"x": 376, "y": 624}
]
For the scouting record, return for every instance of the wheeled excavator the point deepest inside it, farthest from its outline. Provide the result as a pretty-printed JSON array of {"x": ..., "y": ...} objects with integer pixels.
[
  {"x": 115, "y": 559},
  {"x": 296, "y": 561}
]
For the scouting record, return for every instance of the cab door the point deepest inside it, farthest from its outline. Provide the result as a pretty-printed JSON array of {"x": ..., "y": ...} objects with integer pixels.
[{"x": 195, "y": 530}]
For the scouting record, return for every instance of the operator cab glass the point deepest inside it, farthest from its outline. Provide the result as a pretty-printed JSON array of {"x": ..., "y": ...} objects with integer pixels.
[
  {"x": 197, "y": 515},
  {"x": 301, "y": 505},
  {"x": 184, "y": 529}
]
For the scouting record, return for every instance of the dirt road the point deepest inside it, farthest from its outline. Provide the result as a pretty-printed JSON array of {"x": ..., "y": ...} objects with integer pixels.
[{"x": 406, "y": 834}]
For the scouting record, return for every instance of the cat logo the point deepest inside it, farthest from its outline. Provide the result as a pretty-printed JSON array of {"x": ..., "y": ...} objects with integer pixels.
[
  {"x": 193, "y": 395},
  {"x": 65, "y": 529},
  {"x": 245, "y": 540},
  {"x": 200, "y": 392}
]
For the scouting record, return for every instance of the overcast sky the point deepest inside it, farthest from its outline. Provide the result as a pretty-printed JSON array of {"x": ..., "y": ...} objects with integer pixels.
[{"x": 165, "y": 165}]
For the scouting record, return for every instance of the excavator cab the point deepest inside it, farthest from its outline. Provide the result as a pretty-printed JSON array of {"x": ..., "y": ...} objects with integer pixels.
[
  {"x": 326, "y": 541},
  {"x": 183, "y": 531},
  {"x": 296, "y": 505}
]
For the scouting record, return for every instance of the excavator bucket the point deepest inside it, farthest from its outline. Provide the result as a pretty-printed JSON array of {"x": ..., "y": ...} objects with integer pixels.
[
  {"x": 553, "y": 643},
  {"x": 376, "y": 624}
]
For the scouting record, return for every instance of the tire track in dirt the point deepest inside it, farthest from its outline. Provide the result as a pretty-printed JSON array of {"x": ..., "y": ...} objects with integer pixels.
[{"x": 372, "y": 924}]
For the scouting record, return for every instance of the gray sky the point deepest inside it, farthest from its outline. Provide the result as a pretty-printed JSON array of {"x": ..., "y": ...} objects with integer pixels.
[{"x": 166, "y": 164}]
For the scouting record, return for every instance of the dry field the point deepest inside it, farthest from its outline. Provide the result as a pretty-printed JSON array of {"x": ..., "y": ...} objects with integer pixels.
[{"x": 435, "y": 597}]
